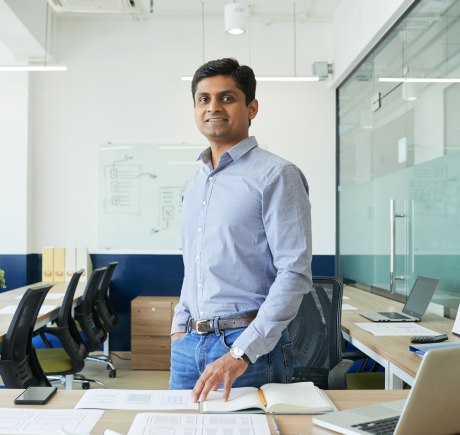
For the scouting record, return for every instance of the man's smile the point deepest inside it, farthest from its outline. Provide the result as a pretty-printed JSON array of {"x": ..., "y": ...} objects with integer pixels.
[{"x": 216, "y": 120}]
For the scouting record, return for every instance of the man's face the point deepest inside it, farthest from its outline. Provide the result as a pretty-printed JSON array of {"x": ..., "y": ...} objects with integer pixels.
[{"x": 220, "y": 109}]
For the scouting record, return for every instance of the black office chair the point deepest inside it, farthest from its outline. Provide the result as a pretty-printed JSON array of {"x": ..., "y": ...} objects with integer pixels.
[
  {"x": 63, "y": 363},
  {"x": 19, "y": 366},
  {"x": 89, "y": 322},
  {"x": 317, "y": 338},
  {"x": 316, "y": 335},
  {"x": 107, "y": 315},
  {"x": 104, "y": 307}
]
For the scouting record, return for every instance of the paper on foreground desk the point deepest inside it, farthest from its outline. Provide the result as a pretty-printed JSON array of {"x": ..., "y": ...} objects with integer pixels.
[
  {"x": 394, "y": 329},
  {"x": 22, "y": 420},
  {"x": 191, "y": 424},
  {"x": 137, "y": 400}
]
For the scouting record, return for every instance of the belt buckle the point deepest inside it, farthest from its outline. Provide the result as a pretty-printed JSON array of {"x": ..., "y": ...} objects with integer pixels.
[{"x": 198, "y": 327}]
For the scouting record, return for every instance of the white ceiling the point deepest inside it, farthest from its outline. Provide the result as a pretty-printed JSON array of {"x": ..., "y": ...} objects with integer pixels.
[
  {"x": 318, "y": 8},
  {"x": 322, "y": 10}
]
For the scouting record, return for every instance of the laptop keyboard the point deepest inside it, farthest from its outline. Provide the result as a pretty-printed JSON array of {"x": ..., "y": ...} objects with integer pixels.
[
  {"x": 395, "y": 315},
  {"x": 386, "y": 426}
]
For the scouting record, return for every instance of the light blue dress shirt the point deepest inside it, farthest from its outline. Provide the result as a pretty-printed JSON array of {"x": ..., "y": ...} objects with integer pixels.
[{"x": 246, "y": 240}]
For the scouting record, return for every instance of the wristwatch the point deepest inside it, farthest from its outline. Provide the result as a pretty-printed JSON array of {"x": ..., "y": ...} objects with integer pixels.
[{"x": 239, "y": 354}]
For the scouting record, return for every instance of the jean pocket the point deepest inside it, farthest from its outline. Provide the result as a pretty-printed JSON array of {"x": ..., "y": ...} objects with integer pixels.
[
  {"x": 289, "y": 357},
  {"x": 229, "y": 336},
  {"x": 179, "y": 339}
]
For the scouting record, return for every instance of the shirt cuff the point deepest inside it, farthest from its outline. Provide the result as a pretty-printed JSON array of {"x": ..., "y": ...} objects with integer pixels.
[
  {"x": 179, "y": 324},
  {"x": 251, "y": 344}
]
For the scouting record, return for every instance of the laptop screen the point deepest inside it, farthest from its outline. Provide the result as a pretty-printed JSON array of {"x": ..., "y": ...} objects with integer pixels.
[{"x": 420, "y": 296}]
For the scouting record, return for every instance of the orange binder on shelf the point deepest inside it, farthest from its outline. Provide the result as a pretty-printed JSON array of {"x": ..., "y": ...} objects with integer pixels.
[
  {"x": 59, "y": 264},
  {"x": 48, "y": 264}
]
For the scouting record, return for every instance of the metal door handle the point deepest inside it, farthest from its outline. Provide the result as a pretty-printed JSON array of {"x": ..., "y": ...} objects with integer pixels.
[{"x": 393, "y": 215}]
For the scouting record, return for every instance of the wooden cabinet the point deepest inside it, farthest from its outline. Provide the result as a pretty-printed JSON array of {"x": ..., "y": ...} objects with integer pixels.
[{"x": 151, "y": 319}]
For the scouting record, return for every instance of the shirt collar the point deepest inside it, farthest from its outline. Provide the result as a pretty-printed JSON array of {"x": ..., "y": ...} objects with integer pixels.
[{"x": 235, "y": 152}]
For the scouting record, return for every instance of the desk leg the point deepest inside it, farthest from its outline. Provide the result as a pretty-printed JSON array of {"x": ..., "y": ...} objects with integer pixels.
[
  {"x": 397, "y": 377},
  {"x": 377, "y": 358}
]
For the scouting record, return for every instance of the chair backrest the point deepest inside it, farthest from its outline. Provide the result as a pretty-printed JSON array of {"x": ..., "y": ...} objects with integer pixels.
[
  {"x": 65, "y": 313},
  {"x": 316, "y": 332},
  {"x": 86, "y": 306},
  {"x": 20, "y": 367},
  {"x": 105, "y": 281}
]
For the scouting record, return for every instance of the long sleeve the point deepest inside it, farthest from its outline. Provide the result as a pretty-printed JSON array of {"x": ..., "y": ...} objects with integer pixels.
[
  {"x": 181, "y": 313},
  {"x": 286, "y": 213}
]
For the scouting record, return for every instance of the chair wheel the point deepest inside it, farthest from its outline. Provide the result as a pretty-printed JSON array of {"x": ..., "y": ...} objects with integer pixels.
[
  {"x": 112, "y": 374},
  {"x": 85, "y": 386}
]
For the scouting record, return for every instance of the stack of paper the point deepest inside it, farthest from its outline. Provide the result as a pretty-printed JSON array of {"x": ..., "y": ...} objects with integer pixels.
[
  {"x": 11, "y": 309},
  {"x": 396, "y": 329}
]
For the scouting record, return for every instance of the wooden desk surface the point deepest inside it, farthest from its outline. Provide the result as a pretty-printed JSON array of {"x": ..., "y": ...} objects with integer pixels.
[
  {"x": 121, "y": 421},
  {"x": 8, "y": 298},
  {"x": 393, "y": 349}
]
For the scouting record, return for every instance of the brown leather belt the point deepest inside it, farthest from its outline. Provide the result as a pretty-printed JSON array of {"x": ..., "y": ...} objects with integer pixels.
[{"x": 238, "y": 321}]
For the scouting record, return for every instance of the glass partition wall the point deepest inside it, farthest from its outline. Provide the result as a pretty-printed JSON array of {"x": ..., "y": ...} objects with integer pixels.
[{"x": 399, "y": 160}]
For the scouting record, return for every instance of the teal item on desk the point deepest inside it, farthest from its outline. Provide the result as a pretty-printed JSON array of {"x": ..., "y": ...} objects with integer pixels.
[{"x": 422, "y": 349}]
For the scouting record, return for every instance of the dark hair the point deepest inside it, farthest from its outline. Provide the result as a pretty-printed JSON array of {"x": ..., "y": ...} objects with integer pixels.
[{"x": 228, "y": 67}]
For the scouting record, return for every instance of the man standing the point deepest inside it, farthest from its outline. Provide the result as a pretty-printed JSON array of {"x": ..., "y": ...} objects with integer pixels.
[{"x": 246, "y": 240}]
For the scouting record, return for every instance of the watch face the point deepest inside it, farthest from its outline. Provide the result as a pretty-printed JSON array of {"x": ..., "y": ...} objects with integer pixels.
[{"x": 237, "y": 352}]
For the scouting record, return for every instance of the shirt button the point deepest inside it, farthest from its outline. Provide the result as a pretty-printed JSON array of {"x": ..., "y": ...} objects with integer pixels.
[
  {"x": 197, "y": 257},
  {"x": 201, "y": 313},
  {"x": 257, "y": 356},
  {"x": 199, "y": 285},
  {"x": 204, "y": 202},
  {"x": 200, "y": 229},
  {"x": 211, "y": 178}
]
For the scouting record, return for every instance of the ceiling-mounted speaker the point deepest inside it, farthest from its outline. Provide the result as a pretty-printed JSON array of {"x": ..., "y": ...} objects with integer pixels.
[{"x": 235, "y": 18}]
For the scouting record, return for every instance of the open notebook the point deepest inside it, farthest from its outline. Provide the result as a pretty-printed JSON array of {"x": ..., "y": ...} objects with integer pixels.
[{"x": 298, "y": 398}]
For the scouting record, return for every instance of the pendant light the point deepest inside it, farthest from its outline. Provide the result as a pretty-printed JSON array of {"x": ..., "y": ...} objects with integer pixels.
[{"x": 235, "y": 18}]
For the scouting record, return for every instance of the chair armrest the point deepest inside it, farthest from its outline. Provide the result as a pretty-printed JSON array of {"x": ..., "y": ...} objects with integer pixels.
[{"x": 338, "y": 375}]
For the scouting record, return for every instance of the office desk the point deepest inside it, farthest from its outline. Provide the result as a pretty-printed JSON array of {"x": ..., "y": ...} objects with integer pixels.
[
  {"x": 390, "y": 352},
  {"x": 8, "y": 298},
  {"x": 121, "y": 421}
]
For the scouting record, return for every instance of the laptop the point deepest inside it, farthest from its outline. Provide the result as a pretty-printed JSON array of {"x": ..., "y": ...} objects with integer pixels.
[
  {"x": 431, "y": 408},
  {"x": 416, "y": 304}
]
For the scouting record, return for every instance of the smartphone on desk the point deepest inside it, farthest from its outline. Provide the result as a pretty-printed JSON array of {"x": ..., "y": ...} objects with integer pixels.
[{"x": 35, "y": 396}]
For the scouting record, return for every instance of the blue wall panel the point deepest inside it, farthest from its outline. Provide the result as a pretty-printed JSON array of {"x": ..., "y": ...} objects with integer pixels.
[{"x": 135, "y": 275}]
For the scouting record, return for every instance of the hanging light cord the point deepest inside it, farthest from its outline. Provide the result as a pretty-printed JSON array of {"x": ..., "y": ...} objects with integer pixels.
[
  {"x": 295, "y": 47},
  {"x": 46, "y": 33},
  {"x": 202, "y": 25},
  {"x": 151, "y": 6}
]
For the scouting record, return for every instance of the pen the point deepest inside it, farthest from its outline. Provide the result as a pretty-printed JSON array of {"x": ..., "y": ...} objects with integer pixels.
[
  {"x": 262, "y": 397},
  {"x": 277, "y": 428}
]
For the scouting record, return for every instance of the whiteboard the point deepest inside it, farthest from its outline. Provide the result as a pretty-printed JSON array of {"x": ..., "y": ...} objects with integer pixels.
[{"x": 140, "y": 194}]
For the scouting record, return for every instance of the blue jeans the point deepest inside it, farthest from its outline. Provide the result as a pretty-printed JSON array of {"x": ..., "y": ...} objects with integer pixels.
[{"x": 192, "y": 352}]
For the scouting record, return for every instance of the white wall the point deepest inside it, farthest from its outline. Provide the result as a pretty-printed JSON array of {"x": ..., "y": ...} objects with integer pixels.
[
  {"x": 358, "y": 26},
  {"x": 123, "y": 85},
  {"x": 14, "y": 160}
]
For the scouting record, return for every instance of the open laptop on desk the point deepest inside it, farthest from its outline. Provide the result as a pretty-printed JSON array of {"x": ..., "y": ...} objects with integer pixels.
[
  {"x": 416, "y": 304},
  {"x": 430, "y": 409}
]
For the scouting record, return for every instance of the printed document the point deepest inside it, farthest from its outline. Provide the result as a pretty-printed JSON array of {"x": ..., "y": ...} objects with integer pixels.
[
  {"x": 346, "y": 297},
  {"x": 11, "y": 309},
  {"x": 396, "y": 329},
  {"x": 193, "y": 424},
  {"x": 142, "y": 400},
  {"x": 15, "y": 421}
]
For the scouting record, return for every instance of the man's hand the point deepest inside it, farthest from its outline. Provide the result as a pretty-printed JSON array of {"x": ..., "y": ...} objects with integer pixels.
[
  {"x": 226, "y": 369},
  {"x": 177, "y": 335}
]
